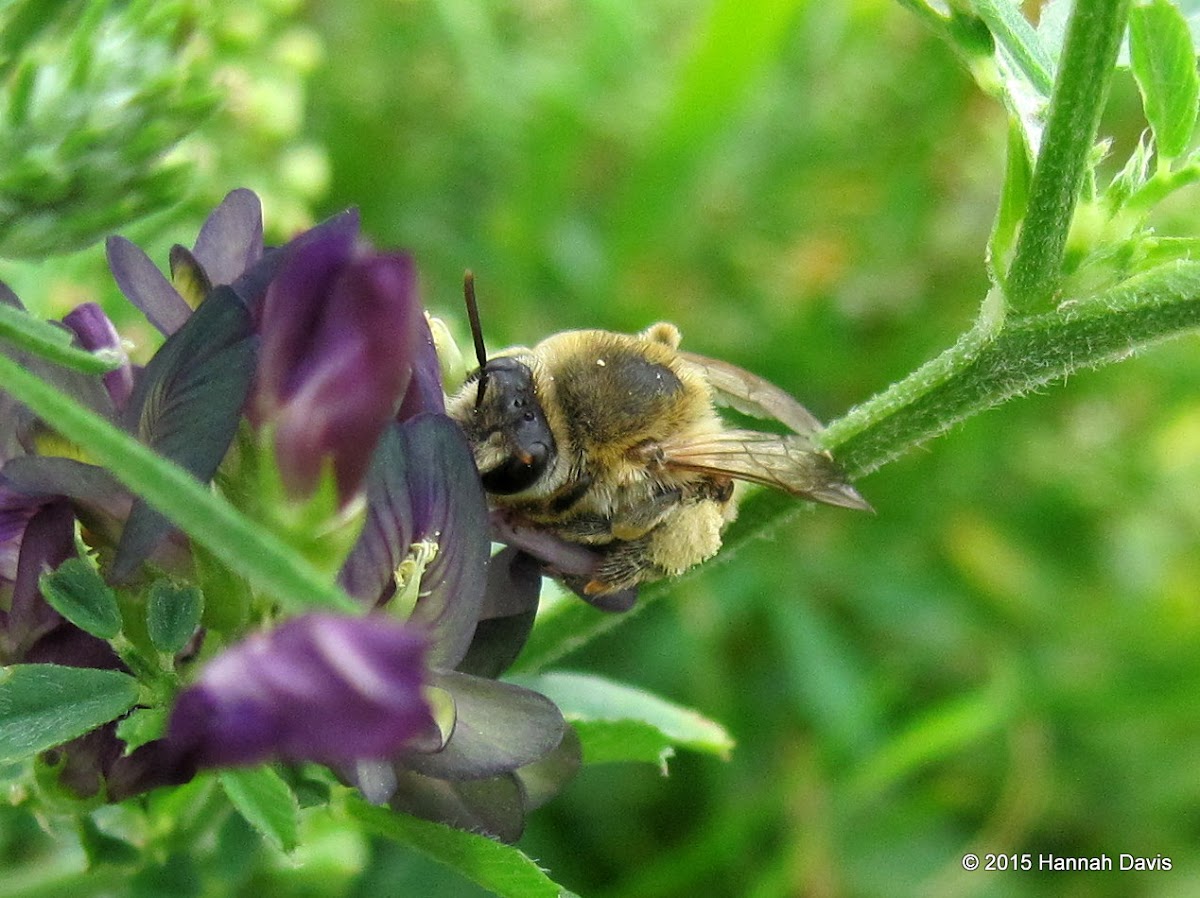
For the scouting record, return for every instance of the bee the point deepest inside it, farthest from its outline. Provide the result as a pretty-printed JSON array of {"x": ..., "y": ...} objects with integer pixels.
[{"x": 612, "y": 442}]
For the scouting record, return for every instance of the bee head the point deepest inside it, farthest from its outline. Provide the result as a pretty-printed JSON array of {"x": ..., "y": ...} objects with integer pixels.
[
  {"x": 506, "y": 426},
  {"x": 513, "y": 442}
]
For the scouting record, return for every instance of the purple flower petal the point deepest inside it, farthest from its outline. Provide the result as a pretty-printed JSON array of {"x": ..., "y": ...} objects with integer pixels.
[
  {"x": 423, "y": 487},
  {"x": 47, "y": 541},
  {"x": 449, "y": 508},
  {"x": 545, "y": 778},
  {"x": 560, "y": 556},
  {"x": 97, "y": 760},
  {"x": 95, "y": 331},
  {"x": 9, "y": 298},
  {"x": 295, "y": 301},
  {"x": 339, "y": 335},
  {"x": 187, "y": 406},
  {"x": 16, "y": 508},
  {"x": 369, "y": 572},
  {"x": 86, "y": 389},
  {"x": 320, "y": 687},
  {"x": 44, "y": 477},
  {"x": 498, "y": 727},
  {"x": 509, "y": 608},
  {"x": 101, "y": 503},
  {"x": 231, "y": 239},
  {"x": 252, "y": 285},
  {"x": 494, "y": 806},
  {"x": 144, "y": 285},
  {"x": 424, "y": 392},
  {"x": 61, "y": 642}
]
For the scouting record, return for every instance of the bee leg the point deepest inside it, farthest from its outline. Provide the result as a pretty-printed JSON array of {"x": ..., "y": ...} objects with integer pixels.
[
  {"x": 628, "y": 525},
  {"x": 587, "y": 529},
  {"x": 689, "y": 535},
  {"x": 625, "y": 564},
  {"x": 636, "y": 521}
]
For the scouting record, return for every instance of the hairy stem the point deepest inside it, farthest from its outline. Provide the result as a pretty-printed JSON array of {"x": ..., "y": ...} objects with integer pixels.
[{"x": 1089, "y": 54}]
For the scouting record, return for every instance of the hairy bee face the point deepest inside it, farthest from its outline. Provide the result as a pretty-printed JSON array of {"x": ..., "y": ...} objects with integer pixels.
[{"x": 513, "y": 443}]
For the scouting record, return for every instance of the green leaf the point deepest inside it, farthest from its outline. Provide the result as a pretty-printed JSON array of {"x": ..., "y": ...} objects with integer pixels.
[
  {"x": 623, "y": 741},
  {"x": 207, "y": 518},
  {"x": 266, "y": 801},
  {"x": 78, "y": 592},
  {"x": 616, "y": 722},
  {"x": 177, "y": 875},
  {"x": 173, "y": 614},
  {"x": 44, "y": 705},
  {"x": 1164, "y": 65},
  {"x": 1130, "y": 179},
  {"x": 142, "y": 725},
  {"x": 50, "y": 342},
  {"x": 501, "y": 868}
]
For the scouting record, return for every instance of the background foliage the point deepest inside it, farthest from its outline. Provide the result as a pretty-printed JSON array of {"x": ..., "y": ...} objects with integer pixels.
[{"x": 1005, "y": 659}]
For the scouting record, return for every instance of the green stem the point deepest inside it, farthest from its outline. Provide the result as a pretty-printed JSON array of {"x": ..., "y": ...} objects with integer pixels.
[
  {"x": 206, "y": 517},
  {"x": 1089, "y": 54},
  {"x": 979, "y": 373},
  {"x": 1160, "y": 186}
]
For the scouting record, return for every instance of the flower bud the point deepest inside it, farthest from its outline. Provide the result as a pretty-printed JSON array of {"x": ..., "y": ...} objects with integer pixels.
[{"x": 340, "y": 331}]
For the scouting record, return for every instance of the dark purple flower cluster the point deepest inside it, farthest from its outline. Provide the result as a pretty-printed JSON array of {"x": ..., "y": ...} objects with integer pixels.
[{"x": 316, "y": 356}]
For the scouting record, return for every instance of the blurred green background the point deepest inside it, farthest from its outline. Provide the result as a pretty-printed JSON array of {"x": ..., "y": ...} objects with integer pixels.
[{"x": 1006, "y": 658}]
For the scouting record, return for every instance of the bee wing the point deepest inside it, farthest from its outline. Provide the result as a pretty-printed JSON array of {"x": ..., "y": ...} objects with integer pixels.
[
  {"x": 751, "y": 395},
  {"x": 787, "y": 463}
]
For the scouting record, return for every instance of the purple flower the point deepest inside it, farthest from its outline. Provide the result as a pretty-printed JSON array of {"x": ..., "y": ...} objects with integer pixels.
[
  {"x": 509, "y": 754},
  {"x": 340, "y": 328},
  {"x": 510, "y": 748},
  {"x": 46, "y": 539},
  {"x": 93, "y": 331},
  {"x": 423, "y": 495},
  {"x": 187, "y": 402},
  {"x": 323, "y": 345},
  {"x": 320, "y": 687},
  {"x": 572, "y": 564},
  {"x": 226, "y": 251},
  {"x": 15, "y": 512},
  {"x": 19, "y": 431}
]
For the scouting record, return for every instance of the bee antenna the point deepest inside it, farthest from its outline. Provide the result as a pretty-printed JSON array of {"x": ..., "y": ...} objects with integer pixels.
[{"x": 476, "y": 332}]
